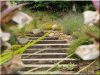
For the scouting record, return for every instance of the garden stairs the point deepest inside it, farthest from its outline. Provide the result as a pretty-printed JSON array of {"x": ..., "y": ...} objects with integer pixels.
[{"x": 45, "y": 54}]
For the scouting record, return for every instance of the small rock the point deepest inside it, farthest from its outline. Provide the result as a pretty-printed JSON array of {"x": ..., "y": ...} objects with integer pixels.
[
  {"x": 91, "y": 17},
  {"x": 13, "y": 65},
  {"x": 87, "y": 52},
  {"x": 16, "y": 64},
  {"x": 37, "y": 31},
  {"x": 51, "y": 35},
  {"x": 22, "y": 40},
  {"x": 22, "y": 19},
  {"x": 5, "y": 36},
  {"x": 54, "y": 26}
]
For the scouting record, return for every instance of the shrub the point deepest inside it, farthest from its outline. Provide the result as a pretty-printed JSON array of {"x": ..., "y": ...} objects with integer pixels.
[{"x": 72, "y": 23}]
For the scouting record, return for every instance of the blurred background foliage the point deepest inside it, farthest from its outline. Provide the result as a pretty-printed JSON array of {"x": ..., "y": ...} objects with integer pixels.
[
  {"x": 46, "y": 13},
  {"x": 56, "y": 5},
  {"x": 49, "y": 12}
]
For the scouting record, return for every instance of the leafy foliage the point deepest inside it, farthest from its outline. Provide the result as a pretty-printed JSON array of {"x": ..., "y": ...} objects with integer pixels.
[
  {"x": 56, "y": 5},
  {"x": 70, "y": 66},
  {"x": 72, "y": 23},
  {"x": 81, "y": 37},
  {"x": 88, "y": 7},
  {"x": 76, "y": 44}
]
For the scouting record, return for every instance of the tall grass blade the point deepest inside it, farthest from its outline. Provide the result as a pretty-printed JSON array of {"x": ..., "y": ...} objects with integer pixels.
[{"x": 6, "y": 57}]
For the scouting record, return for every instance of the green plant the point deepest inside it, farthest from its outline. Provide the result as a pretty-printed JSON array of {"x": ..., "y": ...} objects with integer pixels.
[
  {"x": 56, "y": 64},
  {"x": 72, "y": 23},
  {"x": 76, "y": 43},
  {"x": 70, "y": 66},
  {"x": 94, "y": 30},
  {"x": 6, "y": 56},
  {"x": 55, "y": 5},
  {"x": 88, "y": 7},
  {"x": 98, "y": 73},
  {"x": 57, "y": 67},
  {"x": 35, "y": 24},
  {"x": 82, "y": 38}
]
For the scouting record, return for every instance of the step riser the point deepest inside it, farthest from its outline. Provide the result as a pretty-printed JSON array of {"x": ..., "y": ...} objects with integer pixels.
[
  {"x": 47, "y": 51},
  {"x": 43, "y": 31},
  {"x": 46, "y": 38},
  {"x": 75, "y": 68},
  {"x": 56, "y": 73},
  {"x": 43, "y": 56},
  {"x": 51, "y": 42},
  {"x": 49, "y": 61},
  {"x": 47, "y": 42},
  {"x": 49, "y": 46},
  {"x": 34, "y": 35}
]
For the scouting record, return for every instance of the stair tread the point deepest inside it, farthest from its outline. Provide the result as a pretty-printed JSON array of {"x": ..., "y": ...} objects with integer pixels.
[
  {"x": 52, "y": 73},
  {"x": 45, "y": 65},
  {"x": 44, "y": 54},
  {"x": 49, "y": 49},
  {"x": 45, "y": 50},
  {"x": 48, "y": 44},
  {"x": 46, "y": 38},
  {"x": 51, "y": 59},
  {"x": 51, "y": 40}
]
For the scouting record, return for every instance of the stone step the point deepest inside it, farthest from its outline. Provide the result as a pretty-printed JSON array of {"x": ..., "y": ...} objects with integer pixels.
[
  {"x": 52, "y": 73},
  {"x": 49, "y": 46},
  {"x": 54, "y": 59},
  {"x": 44, "y": 67},
  {"x": 49, "y": 60},
  {"x": 46, "y": 38},
  {"x": 47, "y": 50},
  {"x": 40, "y": 34},
  {"x": 48, "y": 42},
  {"x": 51, "y": 42},
  {"x": 52, "y": 31},
  {"x": 43, "y": 55},
  {"x": 35, "y": 35},
  {"x": 44, "y": 31}
]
